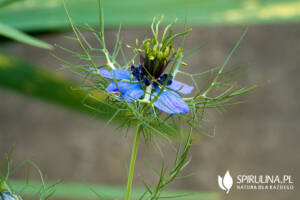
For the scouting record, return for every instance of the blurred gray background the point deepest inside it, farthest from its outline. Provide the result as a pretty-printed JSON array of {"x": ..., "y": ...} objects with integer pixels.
[{"x": 260, "y": 136}]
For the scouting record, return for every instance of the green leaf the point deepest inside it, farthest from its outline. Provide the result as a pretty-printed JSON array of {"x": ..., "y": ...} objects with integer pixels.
[
  {"x": 36, "y": 15},
  {"x": 14, "y": 34},
  {"x": 7, "y": 2},
  {"x": 82, "y": 191},
  {"x": 42, "y": 84}
]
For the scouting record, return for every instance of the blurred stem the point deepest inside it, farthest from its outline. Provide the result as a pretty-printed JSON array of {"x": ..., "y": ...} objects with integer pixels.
[
  {"x": 105, "y": 51},
  {"x": 132, "y": 161}
]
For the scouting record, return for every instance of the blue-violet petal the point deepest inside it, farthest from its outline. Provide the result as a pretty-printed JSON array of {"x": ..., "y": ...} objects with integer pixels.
[
  {"x": 170, "y": 102},
  {"x": 180, "y": 87}
]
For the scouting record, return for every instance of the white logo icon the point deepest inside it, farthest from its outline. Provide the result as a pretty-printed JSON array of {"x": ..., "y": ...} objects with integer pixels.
[{"x": 226, "y": 182}]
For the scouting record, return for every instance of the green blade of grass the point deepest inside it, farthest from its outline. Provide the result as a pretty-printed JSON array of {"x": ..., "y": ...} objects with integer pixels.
[
  {"x": 42, "y": 84},
  {"x": 15, "y": 34}
]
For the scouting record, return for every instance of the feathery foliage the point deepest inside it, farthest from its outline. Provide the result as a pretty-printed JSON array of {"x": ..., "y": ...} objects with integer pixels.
[
  {"x": 143, "y": 113},
  {"x": 42, "y": 191}
]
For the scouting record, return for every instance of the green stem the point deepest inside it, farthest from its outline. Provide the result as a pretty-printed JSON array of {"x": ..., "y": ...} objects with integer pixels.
[{"x": 132, "y": 161}]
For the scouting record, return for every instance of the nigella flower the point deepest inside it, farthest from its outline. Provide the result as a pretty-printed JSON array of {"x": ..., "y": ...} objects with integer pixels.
[
  {"x": 145, "y": 82},
  {"x": 8, "y": 196}
]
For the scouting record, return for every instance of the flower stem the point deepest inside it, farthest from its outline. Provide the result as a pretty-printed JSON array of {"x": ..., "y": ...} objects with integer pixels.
[
  {"x": 147, "y": 97},
  {"x": 132, "y": 161}
]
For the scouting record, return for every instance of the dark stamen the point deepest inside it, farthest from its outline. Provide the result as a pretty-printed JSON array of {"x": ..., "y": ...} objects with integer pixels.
[
  {"x": 139, "y": 73},
  {"x": 162, "y": 79},
  {"x": 147, "y": 81}
]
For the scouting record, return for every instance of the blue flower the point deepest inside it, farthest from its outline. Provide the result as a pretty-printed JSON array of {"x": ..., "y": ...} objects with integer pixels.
[
  {"x": 8, "y": 196},
  {"x": 131, "y": 88}
]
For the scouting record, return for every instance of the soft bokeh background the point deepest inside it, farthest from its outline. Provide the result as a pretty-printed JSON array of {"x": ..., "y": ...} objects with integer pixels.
[{"x": 260, "y": 136}]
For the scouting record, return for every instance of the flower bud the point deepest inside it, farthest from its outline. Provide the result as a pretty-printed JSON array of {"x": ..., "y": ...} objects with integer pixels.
[
  {"x": 151, "y": 57},
  {"x": 173, "y": 51},
  {"x": 184, "y": 63},
  {"x": 179, "y": 51}
]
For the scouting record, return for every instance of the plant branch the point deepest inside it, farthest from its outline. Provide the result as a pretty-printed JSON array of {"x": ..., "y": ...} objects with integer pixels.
[{"x": 132, "y": 161}]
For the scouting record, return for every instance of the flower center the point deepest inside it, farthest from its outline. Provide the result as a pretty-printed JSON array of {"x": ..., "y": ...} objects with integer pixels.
[
  {"x": 147, "y": 79},
  {"x": 154, "y": 66}
]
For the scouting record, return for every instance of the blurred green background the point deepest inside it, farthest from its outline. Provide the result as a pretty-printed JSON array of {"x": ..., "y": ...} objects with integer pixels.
[{"x": 44, "y": 117}]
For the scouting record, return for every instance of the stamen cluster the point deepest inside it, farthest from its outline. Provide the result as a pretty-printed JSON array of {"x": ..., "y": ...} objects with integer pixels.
[{"x": 141, "y": 75}]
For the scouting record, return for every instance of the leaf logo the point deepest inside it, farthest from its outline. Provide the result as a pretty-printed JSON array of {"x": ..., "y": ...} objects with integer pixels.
[{"x": 226, "y": 182}]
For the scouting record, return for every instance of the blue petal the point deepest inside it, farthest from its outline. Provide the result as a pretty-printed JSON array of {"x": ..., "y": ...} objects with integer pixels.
[
  {"x": 118, "y": 74},
  {"x": 133, "y": 94},
  {"x": 8, "y": 196},
  {"x": 130, "y": 91},
  {"x": 180, "y": 87},
  {"x": 170, "y": 102}
]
